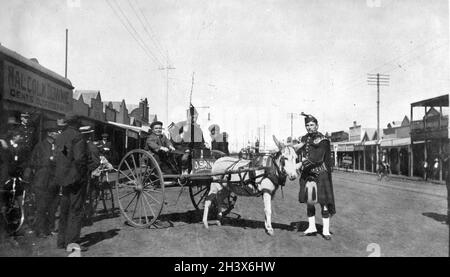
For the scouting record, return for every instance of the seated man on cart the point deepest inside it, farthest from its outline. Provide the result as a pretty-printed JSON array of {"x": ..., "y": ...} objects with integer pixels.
[
  {"x": 188, "y": 137},
  {"x": 160, "y": 146}
]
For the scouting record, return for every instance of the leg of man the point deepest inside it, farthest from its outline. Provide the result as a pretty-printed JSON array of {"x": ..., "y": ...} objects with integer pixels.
[
  {"x": 326, "y": 222},
  {"x": 53, "y": 199},
  {"x": 75, "y": 216},
  {"x": 63, "y": 218},
  {"x": 41, "y": 212},
  {"x": 311, "y": 212}
]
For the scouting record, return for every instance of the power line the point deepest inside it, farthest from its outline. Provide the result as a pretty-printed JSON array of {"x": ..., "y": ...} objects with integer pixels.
[
  {"x": 357, "y": 81},
  {"x": 134, "y": 37},
  {"x": 146, "y": 31},
  {"x": 151, "y": 31},
  {"x": 136, "y": 34}
]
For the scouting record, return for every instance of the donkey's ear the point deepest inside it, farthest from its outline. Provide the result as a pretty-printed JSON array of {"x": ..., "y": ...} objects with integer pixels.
[{"x": 277, "y": 143}]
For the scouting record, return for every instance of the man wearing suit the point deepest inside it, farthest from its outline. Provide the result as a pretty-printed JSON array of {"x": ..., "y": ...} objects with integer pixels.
[
  {"x": 71, "y": 174},
  {"x": 160, "y": 146},
  {"x": 42, "y": 164}
]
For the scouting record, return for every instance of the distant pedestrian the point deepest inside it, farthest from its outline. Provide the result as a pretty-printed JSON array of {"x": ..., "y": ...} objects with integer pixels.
[
  {"x": 425, "y": 170},
  {"x": 436, "y": 169}
]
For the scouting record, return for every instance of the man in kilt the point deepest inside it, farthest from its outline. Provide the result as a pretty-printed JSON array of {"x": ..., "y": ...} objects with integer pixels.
[{"x": 315, "y": 179}]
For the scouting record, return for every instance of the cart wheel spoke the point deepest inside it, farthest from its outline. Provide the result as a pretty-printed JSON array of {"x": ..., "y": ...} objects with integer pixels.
[
  {"x": 126, "y": 175},
  {"x": 150, "y": 206},
  {"x": 125, "y": 195},
  {"x": 154, "y": 199},
  {"x": 137, "y": 169},
  {"x": 200, "y": 191},
  {"x": 198, "y": 194},
  {"x": 132, "y": 172}
]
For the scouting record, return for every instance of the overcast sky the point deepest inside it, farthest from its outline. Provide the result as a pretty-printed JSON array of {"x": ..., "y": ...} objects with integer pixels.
[{"x": 255, "y": 61}]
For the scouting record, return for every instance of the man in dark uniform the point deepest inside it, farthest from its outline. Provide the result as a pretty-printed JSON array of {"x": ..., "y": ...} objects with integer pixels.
[
  {"x": 104, "y": 147},
  {"x": 160, "y": 146},
  {"x": 315, "y": 178},
  {"x": 43, "y": 164},
  {"x": 28, "y": 131},
  {"x": 71, "y": 173}
]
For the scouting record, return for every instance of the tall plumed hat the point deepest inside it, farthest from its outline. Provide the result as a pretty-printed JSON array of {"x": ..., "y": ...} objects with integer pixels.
[{"x": 309, "y": 118}]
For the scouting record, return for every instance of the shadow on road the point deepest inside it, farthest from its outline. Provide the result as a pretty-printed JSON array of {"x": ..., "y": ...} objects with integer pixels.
[
  {"x": 438, "y": 217},
  {"x": 301, "y": 226},
  {"x": 101, "y": 216},
  {"x": 254, "y": 224},
  {"x": 96, "y": 237},
  {"x": 167, "y": 220}
]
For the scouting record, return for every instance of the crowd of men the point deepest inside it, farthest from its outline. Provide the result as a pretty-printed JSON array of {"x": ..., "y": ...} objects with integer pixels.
[{"x": 56, "y": 170}]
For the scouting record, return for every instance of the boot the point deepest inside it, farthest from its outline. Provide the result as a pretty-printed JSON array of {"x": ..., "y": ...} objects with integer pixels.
[
  {"x": 326, "y": 228},
  {"x": 311, "y": 231}
]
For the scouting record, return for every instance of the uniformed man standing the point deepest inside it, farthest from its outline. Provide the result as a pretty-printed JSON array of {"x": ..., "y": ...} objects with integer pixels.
[
  {"x": 43, "y": 164},
  {"x": 71, "y": 173},
  {"x": 316, "y": 176},
  {"x": 27, "y": 131}
]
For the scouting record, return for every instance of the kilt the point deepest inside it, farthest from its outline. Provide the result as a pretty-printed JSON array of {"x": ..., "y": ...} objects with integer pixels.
[{"x": 325, "y": 195}]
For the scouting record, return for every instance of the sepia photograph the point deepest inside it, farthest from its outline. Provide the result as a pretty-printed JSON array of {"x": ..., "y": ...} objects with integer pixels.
[{"x": 242, "y": 129}]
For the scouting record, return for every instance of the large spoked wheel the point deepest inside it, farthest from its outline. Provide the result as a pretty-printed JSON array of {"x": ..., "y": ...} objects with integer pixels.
[
  {"x": 199, "y": 190},
  {"x": 140, "y": 188}
]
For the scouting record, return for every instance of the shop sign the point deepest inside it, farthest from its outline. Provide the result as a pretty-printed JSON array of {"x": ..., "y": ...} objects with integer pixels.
[{"x": 24, "y": 86}]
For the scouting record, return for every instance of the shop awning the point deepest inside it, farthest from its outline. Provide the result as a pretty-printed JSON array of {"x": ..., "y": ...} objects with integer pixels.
[
  {"x": 394, "y": 142},
  {"x": 346, "y": 147},
  {"x": 371, "y": 142},
  {"x": 129, "y": 129}
]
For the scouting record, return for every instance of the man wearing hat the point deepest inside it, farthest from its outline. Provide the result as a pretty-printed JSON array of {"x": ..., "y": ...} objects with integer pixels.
[
  {"x": 43, "y": 164},
  {"x": 104, "y": 146},
  {"x": 314, "y": 148},
  {"x": 218, "y": 140},
  {"x": 93, "y": 159},
  {"x": 93, "y": 151},
  {"x": 27, "y": 131},
  {"x": 71, "y": 173},
  {"x": 160, "y": 146}
]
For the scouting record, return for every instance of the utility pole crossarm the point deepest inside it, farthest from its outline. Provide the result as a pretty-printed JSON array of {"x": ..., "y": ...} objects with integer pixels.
[{"x": 378, "y": 80}]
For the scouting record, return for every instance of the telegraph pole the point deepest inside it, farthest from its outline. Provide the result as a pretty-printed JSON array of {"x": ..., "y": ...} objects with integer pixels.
[
  {"x": 264, "y": 147},
  {"x": 378, "y": 80},
  {"x": 291, "y": 116},
  {"x": 67, "y": 41},
  {"x": 167, "y": 68}
]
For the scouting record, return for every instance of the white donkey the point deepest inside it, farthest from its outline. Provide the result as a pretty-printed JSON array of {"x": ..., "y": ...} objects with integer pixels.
[{"x": 278, "y": 165}]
